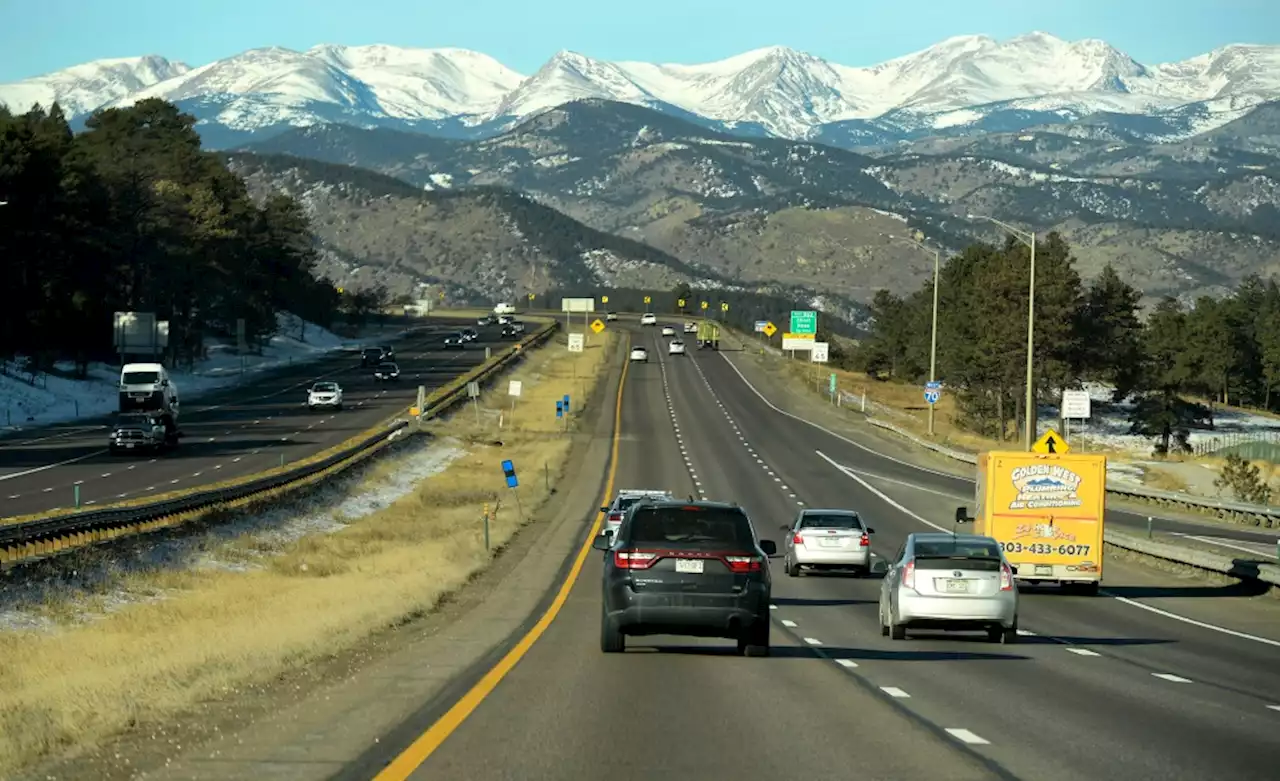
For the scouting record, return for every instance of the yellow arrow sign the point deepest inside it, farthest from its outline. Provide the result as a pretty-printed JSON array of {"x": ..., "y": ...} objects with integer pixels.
[
  {"x": 648, "y": 300},
  {"x": 680, "y": 303},
  {"x": 705, "y": 305},
  {"x": 604, "y": 299},
  {"x": 724, "y": 307},
  {"x": 1051, "y": 442},
  {"x": 597, "y": 325},
  {"x": 770, "y": 329},
  {"x": 532, "y": 296}
]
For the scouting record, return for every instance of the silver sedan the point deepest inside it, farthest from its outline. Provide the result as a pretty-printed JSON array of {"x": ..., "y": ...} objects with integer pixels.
[
  {"x": 950, "y": 582},
  {"x": 827, "y": 539}
]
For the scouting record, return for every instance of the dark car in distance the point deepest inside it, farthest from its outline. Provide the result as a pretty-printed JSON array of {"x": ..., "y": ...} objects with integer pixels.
[{"x": 695, "y": 569}]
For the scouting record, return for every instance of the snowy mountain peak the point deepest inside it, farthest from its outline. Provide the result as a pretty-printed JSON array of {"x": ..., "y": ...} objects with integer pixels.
[
  {"x": 791, "y": 93},
  {"x": 82, "y": 88}
]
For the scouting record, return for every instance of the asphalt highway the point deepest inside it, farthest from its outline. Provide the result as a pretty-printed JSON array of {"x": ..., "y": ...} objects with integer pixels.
[
  {"x": 229, "y": 433},
  {"x": 1151, "y": 680}
]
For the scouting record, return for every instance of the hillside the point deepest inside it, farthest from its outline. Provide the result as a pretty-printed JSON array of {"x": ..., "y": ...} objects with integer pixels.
[
  {"x": 481, "y": 244},
  {"x": 1184, "y": 219}
]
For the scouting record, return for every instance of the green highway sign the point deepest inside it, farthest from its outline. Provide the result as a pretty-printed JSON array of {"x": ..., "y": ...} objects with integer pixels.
[{"x": 804, "y": 321}]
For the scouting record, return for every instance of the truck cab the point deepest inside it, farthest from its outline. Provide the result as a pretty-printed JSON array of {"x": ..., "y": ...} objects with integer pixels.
[{"x": 137, "y": 431}]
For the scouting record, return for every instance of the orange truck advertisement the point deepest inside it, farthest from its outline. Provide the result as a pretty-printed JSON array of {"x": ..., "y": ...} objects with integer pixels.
[{"x": 1047, "y": 512}]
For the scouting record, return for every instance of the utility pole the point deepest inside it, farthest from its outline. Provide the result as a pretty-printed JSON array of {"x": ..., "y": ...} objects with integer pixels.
[
  {"x": 1029, "y": 239},
  {"x": 933, "y": 335}
]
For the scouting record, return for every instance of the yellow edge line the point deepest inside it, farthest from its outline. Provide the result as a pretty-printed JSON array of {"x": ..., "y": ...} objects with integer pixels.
[{"x": 427, "y": 743}]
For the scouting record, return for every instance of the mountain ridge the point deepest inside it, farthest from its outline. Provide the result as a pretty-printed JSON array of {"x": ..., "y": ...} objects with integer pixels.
[{"x": 956, "y": 84}]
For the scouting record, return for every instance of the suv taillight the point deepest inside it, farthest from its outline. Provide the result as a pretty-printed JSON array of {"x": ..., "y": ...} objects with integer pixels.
[
  {"x": 631, "y": 559},
  {"x": 909, "y": 575},
  {"x": 743, "y": 563},
  {"x": 615, "y": 517},
  {"x": 798, "y": 540},
  {"x": 1006, "y": 578},
  {"x": 865, "y": 541}
]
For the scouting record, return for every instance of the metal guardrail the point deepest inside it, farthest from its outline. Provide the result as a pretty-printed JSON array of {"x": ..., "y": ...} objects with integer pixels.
[
  {"x": 52, "y": 534},
  {"x": 1180, "y": 554}
]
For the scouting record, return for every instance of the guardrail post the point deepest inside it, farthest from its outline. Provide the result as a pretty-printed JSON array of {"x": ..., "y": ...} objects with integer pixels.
[
  {"x": 77, "y": 487},
  {"x": 282, "y": 459},
  {"x": 1149, "y": 519}
]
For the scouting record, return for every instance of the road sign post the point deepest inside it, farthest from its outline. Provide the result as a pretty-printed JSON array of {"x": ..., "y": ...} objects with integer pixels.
[
  {"x": 1076, "y": 405},
  {"x": 473, "y": 392},
  {"x": 932, "y": 392}
]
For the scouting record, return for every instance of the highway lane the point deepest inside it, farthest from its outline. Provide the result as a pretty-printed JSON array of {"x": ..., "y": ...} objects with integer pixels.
[
  {"x": 1128, "y": 520},
  {"x": 682, "y": 707},
  {"x": 234, "y": 437},
  {"x": 1094, "y": 677}
]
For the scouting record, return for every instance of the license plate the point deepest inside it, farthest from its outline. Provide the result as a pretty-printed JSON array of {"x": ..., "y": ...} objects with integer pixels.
[
  {"x": 128, "y": 444},
  {"x": 1044, "y": 569},
  {"x": 956, "y": 586},
  {"x": 831, "y": 543},
  {"x": 688, "y": 565}
]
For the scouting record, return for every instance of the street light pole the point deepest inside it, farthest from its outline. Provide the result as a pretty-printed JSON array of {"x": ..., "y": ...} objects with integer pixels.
[
  {"x": 1029, "y": 239},
  {"x": 933, "y": 335}
]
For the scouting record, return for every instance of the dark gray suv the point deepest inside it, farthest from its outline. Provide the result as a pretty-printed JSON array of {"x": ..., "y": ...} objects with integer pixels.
[{"x": 686, "y": 568}]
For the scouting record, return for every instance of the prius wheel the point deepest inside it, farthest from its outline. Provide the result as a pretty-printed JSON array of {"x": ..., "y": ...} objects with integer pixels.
[
  {"x": 896, "y": 631},
  {"x": 998, "y": 634},
  {"x": 793, "y": 569}
]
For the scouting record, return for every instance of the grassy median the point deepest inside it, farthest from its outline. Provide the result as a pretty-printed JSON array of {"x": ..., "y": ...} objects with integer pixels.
[{"x": 186, "y": 635}]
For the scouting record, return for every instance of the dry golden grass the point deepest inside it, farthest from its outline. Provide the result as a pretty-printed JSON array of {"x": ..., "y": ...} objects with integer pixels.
[
  {"x": 1163, "y": 480},
  {"x": 214, "y": 632}
]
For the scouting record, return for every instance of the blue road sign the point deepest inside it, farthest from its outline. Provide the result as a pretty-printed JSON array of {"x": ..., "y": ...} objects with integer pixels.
[
  {"x": 932, "y": 396},
  {"x": 509, "y": 471},
  {"x": 559, "y": 409},
  {"x": 935, "y": 385},
  {"x": 566, "y": 403}
]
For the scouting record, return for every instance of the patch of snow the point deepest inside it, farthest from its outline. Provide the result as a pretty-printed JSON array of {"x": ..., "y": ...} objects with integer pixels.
[{"x": 27, "y": 401}]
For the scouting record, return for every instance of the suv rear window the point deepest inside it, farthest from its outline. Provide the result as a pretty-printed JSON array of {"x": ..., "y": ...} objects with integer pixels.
[
  {"x": 981, "y": 556},
  {"x": 689, "y": 526},
  {"x": 831, "y": 521}
]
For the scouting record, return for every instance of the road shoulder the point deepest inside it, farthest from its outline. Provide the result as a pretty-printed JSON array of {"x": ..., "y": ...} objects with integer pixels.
[{"x": 352, "y": 709}]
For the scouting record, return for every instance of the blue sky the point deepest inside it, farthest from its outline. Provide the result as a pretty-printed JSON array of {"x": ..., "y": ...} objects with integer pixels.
[{"x": 37, "y": 37}]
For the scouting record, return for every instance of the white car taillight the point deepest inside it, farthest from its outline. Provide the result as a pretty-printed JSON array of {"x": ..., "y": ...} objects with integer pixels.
[
  {"x": 909, "y": 575},
  {"x": 1006, "y": 578}
]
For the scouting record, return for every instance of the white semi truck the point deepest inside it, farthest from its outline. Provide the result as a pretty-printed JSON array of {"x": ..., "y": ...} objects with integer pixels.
[{"x": 149, "y": 409}]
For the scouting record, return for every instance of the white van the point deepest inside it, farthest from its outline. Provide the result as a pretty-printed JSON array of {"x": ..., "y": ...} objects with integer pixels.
[
  {"x": 147, "y": 387},
  {"x": 504, "y": 309}
]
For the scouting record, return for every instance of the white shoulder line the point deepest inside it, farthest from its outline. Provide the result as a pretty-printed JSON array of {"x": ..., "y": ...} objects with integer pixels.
[
  {"x": 826, "y": 430},
  {"x": 883, "y": 496}
]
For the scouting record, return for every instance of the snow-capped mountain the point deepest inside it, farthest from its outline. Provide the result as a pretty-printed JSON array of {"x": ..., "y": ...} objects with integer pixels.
[{"x": 963, "y": 84}]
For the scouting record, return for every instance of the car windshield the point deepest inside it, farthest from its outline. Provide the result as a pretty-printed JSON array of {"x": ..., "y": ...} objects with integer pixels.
[
  {"x": 830, "y": 521},
  {"x": 691, "y": 526},
  {"x": 140, "y": 378},
  {"x": 324, "y": 387},
  {"x": 980, "y": 555}
]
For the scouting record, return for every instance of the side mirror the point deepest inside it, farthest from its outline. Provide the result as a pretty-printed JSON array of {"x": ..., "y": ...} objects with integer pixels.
[
  {"x": 602, "y": 541},
  {"x": 962, "y": 515},
  {"x": 604, "y": 509},
  {"x": 769, "y": 547},
  {"x": 870, "y": 530}
]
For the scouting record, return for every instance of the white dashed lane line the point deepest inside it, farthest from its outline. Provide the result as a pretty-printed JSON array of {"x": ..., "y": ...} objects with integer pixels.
[
  {"x": 894, "y": 691},
  {"x": 788, "y": 623},
  {"x": 1083, "y": 652},
  {"x": 813, "y": 641},
  {"x": 847, "y": 663},
  {"x": 1171, "y": 677},
  {"x": 965, "y": 736}
]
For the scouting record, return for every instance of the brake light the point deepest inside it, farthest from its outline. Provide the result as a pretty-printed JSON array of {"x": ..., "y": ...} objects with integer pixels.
[
  {"x": 615, "y": 517},
  {"x": 798, "y": 540},
  {"x": 743, "y": 563},
  {"x": 634, "y": 559},
  {"x": 909, "y": 575},
  {"x": 1006, "y": 578},
  {"x": 865, "y": 541}
]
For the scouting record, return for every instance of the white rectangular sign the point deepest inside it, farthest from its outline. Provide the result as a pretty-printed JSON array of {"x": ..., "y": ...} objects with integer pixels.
[
  {"x": 791, "y": 343},
  {"x": 577, "y": 305},
  {"x": 473, "y": 389},
  {"x": 820, "y": 352},
  {"x": 514, "y": 388},
  {"x": 1076, "y": 405},
  {"x": 575, "y": 343}
]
